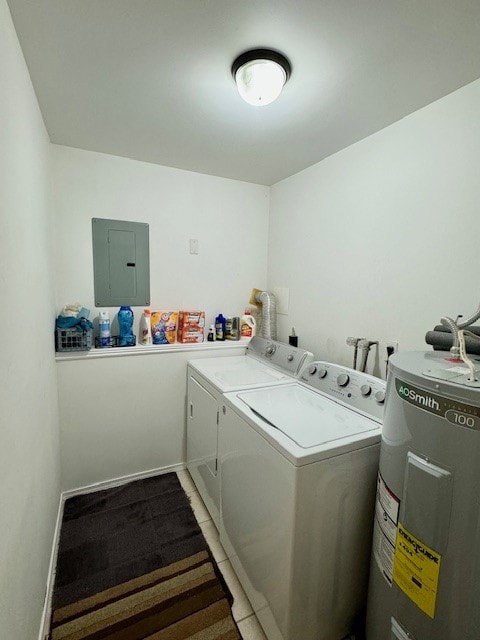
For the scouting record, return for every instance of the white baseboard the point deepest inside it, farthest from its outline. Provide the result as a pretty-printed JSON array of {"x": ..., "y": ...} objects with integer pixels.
[
  {"x": 47, "y": 606},
  {"x": 117, "y": 482},
  {"x": 97, "y": 486}
]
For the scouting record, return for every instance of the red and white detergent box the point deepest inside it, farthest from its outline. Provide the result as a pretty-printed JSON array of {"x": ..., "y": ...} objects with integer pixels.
[{"x": 191, "y": 325}]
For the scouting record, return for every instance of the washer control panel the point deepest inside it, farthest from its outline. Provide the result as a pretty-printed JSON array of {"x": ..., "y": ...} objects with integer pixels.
[
  {"x": 279, "y": 355},
  {"x": 359, "y": 391}
]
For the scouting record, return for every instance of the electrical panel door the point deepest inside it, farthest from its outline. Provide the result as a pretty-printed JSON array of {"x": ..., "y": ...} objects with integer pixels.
[{"x": 121, "y": 263}]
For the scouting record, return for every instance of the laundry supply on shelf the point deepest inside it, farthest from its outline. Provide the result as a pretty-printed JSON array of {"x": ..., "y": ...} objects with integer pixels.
[
  {"x": 191, "y": 325},
  {"x": 126, "y": 338},
  {"x": 232, "y": 328},
  {"x": 220, "y": 327},
  {"x": 164, "y": 327},
  {"x": 73, "y": 330},
  {"x": 104, "y": 329},
  {"x": 247, "y": 325},
  {"x": 211, "y": 334},
  {"x": 145, "y": 329}
]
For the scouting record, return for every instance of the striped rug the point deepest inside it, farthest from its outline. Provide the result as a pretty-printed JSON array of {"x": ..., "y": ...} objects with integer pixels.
[{"x": 184, "y": 600}]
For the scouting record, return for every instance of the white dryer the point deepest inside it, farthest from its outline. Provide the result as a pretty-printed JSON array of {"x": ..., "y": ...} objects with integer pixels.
[
  {"x": 298, "y": 467},
  {"x": 266, "y": 363}
]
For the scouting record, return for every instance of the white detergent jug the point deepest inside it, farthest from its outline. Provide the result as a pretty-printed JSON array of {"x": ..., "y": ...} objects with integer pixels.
[
  {"x": 247, "y": 325},
  {"x": 146, "y": 327}
]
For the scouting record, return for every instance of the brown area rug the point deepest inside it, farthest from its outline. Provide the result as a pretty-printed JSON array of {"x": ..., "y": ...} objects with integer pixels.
[
  {"x": 183, "y": 600},
  {"x": 133, "y": 565}
]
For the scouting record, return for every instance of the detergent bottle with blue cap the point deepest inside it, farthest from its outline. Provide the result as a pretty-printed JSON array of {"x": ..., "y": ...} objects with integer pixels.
[
  {"x": 220, "y": 328},
  {"x": 125, "y": 324}
]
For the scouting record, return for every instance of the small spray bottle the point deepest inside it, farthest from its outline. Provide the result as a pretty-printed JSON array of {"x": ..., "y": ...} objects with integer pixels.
[{"x": 293, "y": 338}]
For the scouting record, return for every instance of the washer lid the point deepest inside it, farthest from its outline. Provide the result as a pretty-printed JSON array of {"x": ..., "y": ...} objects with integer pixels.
[{"x": 304, "y": 416}]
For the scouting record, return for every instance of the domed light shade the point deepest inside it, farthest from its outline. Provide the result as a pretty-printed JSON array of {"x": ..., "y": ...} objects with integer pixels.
[{"x": 260, "y": 75}]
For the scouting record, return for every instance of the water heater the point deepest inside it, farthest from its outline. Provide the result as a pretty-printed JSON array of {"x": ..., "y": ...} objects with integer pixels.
[{"x": 425, "y": 566}]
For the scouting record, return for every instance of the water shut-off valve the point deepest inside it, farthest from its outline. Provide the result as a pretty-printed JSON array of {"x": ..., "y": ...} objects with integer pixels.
[{"x": 364, "y": 346}]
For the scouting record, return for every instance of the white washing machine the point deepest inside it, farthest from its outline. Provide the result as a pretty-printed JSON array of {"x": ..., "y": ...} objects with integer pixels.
[
  {"x": 265, "y": 363},
  {"x": 298, "y": 468}
]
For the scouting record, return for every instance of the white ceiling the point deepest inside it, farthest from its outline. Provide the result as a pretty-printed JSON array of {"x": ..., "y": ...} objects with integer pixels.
[{"x": 150, "y": 79}]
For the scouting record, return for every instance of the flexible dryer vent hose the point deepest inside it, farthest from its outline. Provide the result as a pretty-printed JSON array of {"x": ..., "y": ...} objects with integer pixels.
[{"x": 269, "y": 314}]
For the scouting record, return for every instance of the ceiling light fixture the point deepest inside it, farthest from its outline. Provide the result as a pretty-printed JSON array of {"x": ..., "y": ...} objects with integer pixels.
[{"x": 260, "y": 75}]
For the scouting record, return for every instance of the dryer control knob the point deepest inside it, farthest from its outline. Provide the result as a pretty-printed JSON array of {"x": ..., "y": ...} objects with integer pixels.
[
  {"x": 290, "y": 358},
  {"x": 312, "y": 369},
  {"x": 322, "y": 372},
  {"x": 365, "y": 390},
  {"x": 343, "y": 379},
  {"x": 270, "y": 350},
  {"x": 380, "y": 397}
]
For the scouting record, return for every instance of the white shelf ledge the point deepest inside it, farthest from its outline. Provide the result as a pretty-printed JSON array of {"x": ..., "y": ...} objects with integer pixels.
[{"x": 143, "y": 350}]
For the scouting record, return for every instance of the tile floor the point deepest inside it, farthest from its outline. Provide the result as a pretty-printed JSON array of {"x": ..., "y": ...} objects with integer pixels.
[{"x": 241, "y": 609}]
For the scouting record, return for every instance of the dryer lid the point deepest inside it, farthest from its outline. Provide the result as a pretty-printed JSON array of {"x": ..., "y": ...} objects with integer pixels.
[
  {"x": 238, "y": 371},
  {"x": 306, "y": 417}
]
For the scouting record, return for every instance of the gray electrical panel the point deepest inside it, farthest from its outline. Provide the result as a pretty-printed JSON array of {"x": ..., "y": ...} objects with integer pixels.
[{"x": 121, "y": 263}]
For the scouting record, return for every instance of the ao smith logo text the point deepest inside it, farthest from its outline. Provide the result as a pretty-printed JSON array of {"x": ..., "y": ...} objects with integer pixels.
[
  {"x": 420, "y": 399},
  {"x": 457, "y": 413}
]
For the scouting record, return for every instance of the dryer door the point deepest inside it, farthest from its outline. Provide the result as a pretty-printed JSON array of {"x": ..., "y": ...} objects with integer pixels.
[{"x": 202, "y": 430}]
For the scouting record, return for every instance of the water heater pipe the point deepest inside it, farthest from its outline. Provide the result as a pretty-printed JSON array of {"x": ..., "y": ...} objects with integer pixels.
[
  {"x": 456, "y": 326},
  {"x": 463, "y": 354},
  {"x": 365, "y": 345},
  {"x": 353, "y": 342}
]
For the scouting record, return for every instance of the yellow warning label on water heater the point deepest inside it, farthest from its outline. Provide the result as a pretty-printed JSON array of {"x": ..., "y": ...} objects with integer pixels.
[{"x": 416, "y": 569}]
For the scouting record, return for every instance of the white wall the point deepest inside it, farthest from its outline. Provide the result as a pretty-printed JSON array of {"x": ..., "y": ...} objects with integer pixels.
[
  {"x": 126, "y": 415},
  {"x": 29, "y": 456},
  {"x": 228, "y": 218},
  {"x": 381, "y": 240}
]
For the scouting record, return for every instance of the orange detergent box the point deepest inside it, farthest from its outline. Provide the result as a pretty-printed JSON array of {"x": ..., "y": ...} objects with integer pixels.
[
  {"x": 164, "y": 326},
  {"x": 191, "y": 325}
]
